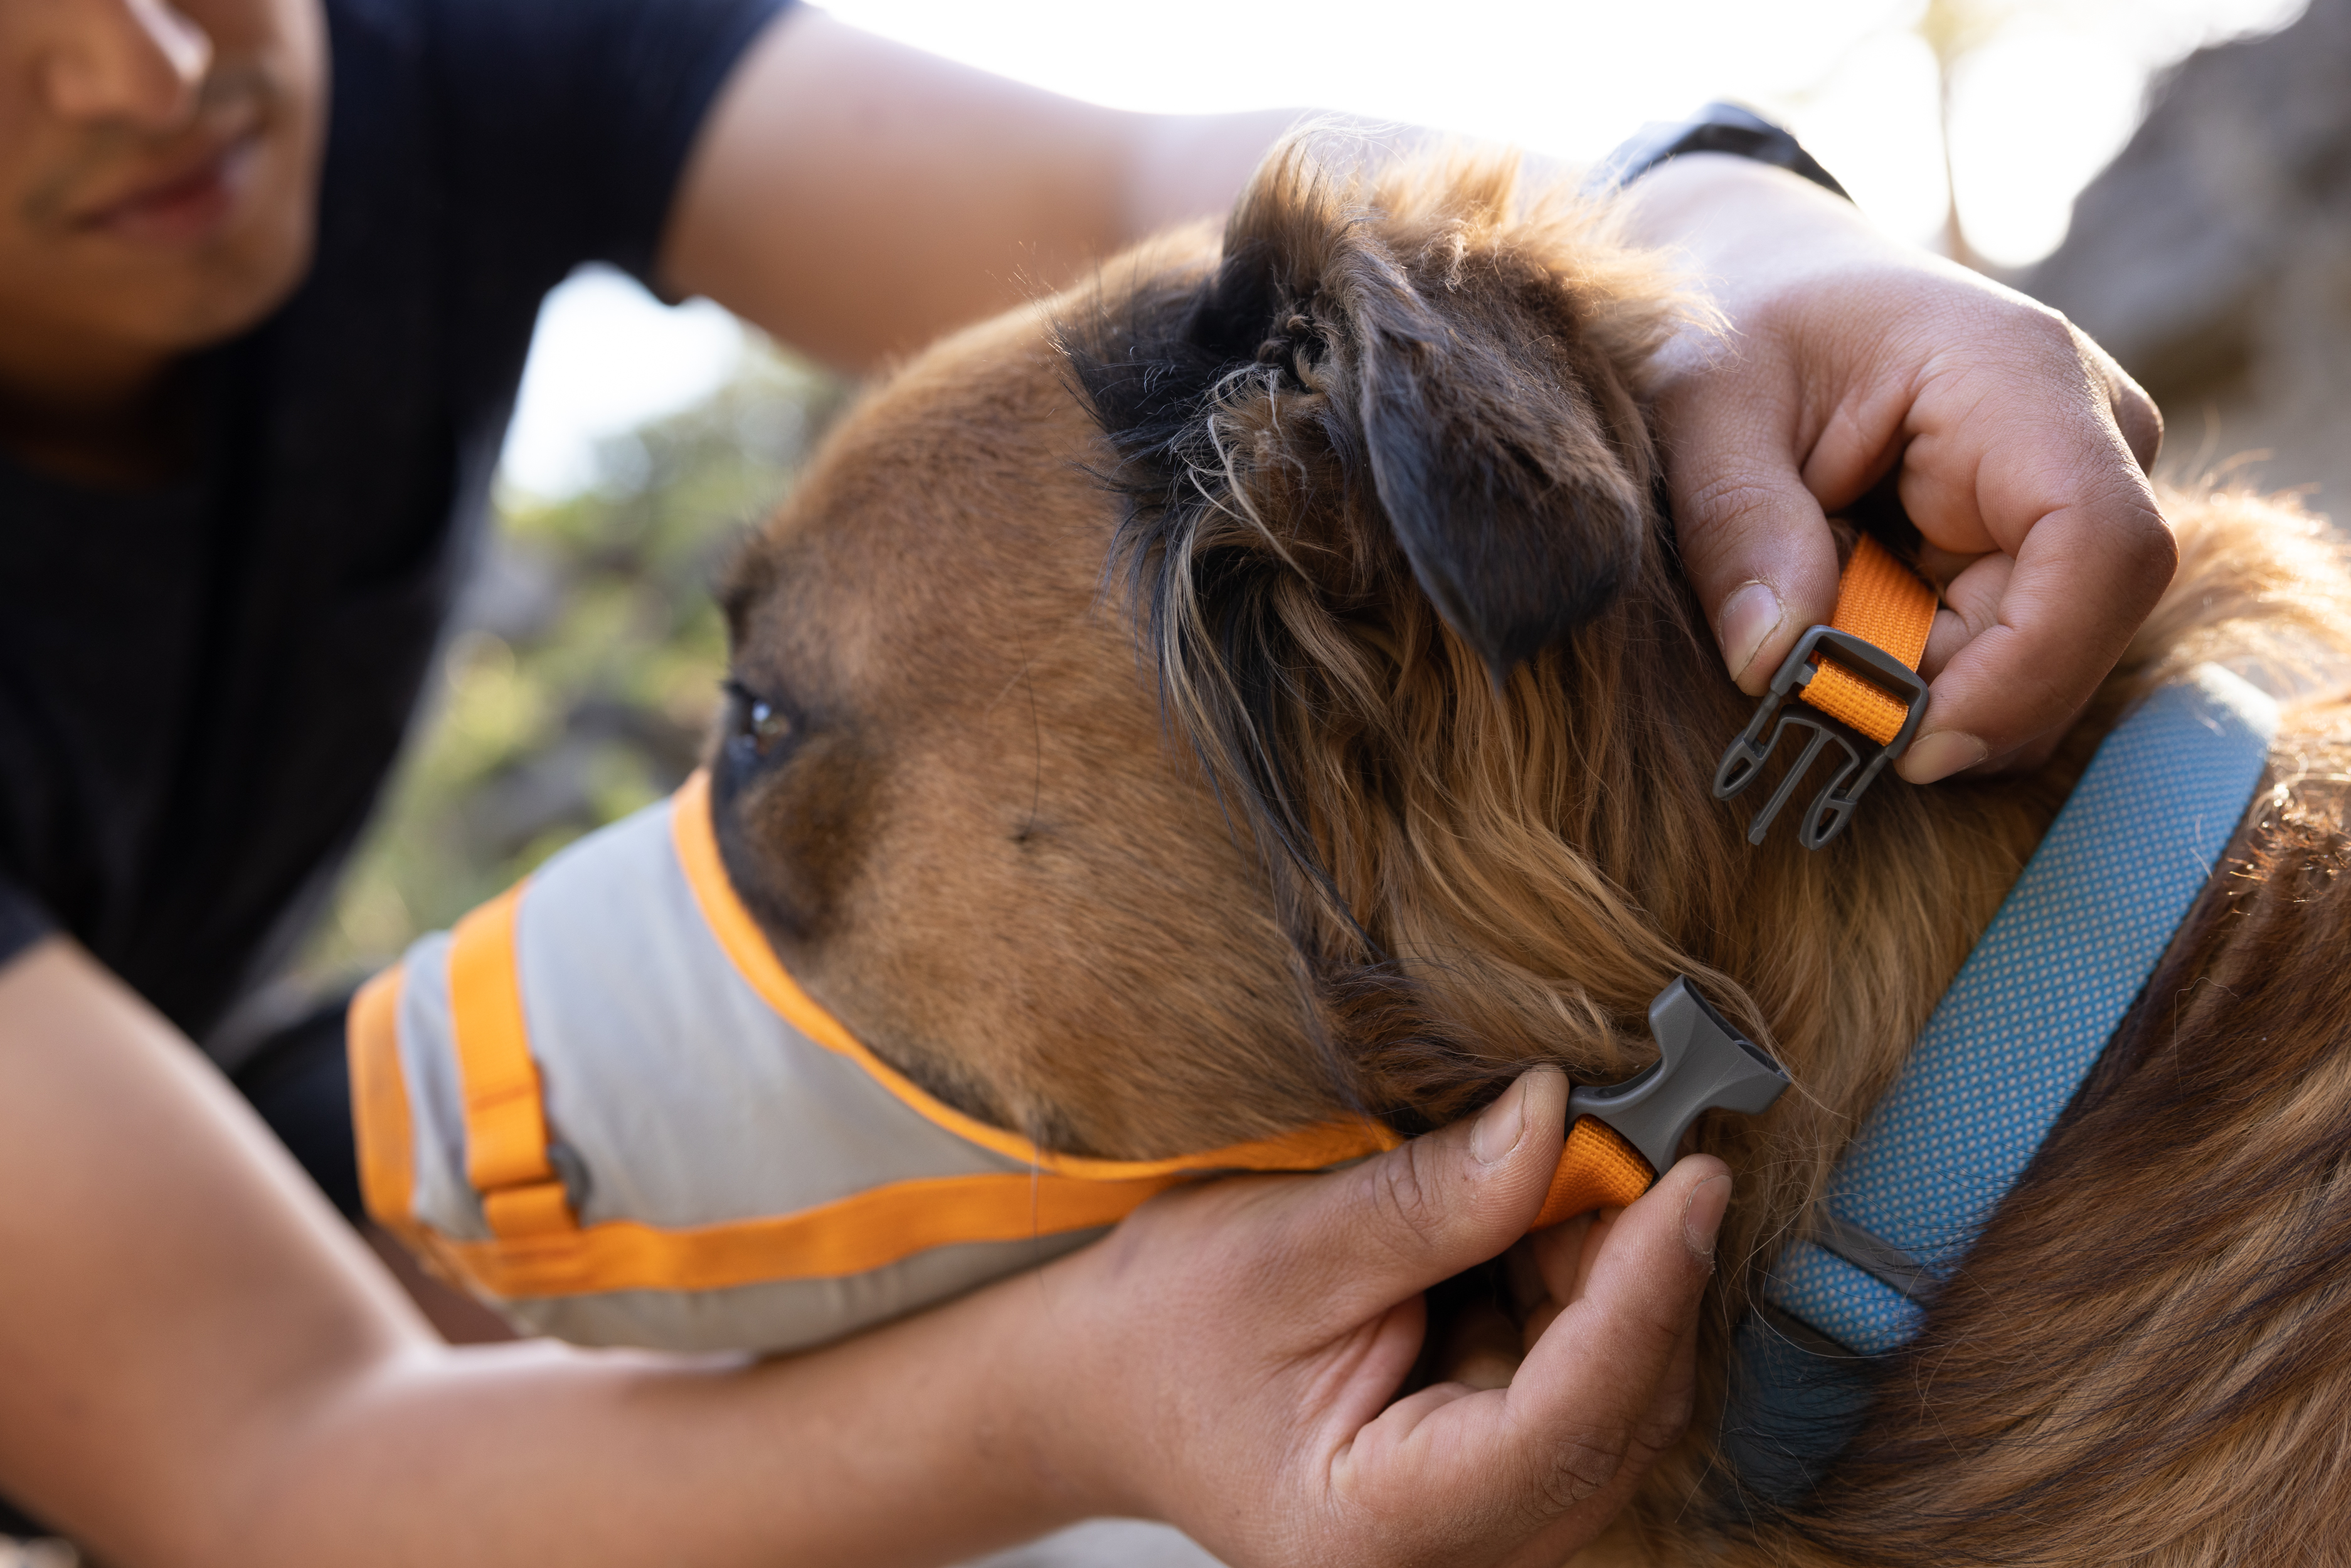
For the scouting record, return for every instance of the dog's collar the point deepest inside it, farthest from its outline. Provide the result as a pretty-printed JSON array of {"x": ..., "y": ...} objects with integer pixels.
[{"x": 2002, "y": 1055}]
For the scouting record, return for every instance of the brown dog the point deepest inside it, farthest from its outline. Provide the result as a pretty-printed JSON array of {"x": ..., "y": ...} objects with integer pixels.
[{"x": 1258, "y": 686}]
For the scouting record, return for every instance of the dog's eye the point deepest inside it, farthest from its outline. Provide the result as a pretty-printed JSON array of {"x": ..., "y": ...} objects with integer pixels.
[
  {"x": 756, "y": 721},
  {"x": 765, "y": 726}
]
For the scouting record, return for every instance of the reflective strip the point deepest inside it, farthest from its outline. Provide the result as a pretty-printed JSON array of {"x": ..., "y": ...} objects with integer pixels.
[
  {"x": 1881, "y": 601},
  {"x": 1309, "y": 1148},
  {"x": 505, "y": 1121},
  {"x": 1597, "y": 1170},
  {"x": 861, "y": 1233}
]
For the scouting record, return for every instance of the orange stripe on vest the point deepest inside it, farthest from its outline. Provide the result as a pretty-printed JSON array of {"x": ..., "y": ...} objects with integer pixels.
[{"x": 505, "y": 1115}]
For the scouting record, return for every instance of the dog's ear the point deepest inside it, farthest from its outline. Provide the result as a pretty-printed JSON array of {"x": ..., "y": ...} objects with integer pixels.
[{"x": 1468, "y": 377}]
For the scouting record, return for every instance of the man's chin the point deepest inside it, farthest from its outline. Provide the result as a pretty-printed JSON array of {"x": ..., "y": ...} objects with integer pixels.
[
  {"x": 161, "y": 304},
  {"x": 238, "y": 289}
]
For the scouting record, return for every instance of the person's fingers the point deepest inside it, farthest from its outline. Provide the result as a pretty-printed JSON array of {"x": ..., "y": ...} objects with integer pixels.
[
  {"x": 1948, "y": 634},
  {"x": 2057, "y": 445},
  {"x": 1604, "y": 1391},
  {"x": 2083, "y": 556},
  {"x": 1561, "y": 1256},
  {"x": 1609, "y": 1384},
  {"x": 1970, "y": 606},
  {"x": 2032, "y": 448},
  {"x": 2068, "y": 608},
  {"x": 2135, "y": 413},
  {"x": 1752, "y": 537},
  {"x": 1524, "y": 1271},
  {"x": 1482, "y": 1348},
  {"x": 1364, "y": 1238}
]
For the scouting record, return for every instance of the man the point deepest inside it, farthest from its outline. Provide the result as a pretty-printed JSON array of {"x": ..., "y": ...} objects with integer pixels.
[{"x": 257, "y": 342}]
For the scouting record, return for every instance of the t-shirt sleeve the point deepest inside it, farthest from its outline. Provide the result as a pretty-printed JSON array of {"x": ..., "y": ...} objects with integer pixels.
[
  {"x": 568, "y": 121},
  {"x": 22, "y": 921}
]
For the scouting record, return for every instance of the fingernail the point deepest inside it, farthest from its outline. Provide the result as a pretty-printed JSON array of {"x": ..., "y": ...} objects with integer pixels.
[
  {"x": 1942, "y": 754},
  {"x": 1749, "y": 616},
  {"x": 1500, "y": 1125},
  {"x": 1702, "y": 1215}
]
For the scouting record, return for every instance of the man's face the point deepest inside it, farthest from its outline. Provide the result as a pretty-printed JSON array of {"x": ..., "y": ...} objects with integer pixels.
[{"x": 157, "y": 166}]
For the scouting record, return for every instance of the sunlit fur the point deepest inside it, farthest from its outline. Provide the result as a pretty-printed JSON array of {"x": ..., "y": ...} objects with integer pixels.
[{"x": 1140, "y": 797}]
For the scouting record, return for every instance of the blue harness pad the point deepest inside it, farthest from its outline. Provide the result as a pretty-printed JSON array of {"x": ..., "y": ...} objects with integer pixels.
[{"x": 2004, "y": 1054}]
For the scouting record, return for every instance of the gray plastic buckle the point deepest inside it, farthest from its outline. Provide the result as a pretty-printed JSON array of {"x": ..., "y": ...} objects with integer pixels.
[
  {"x": 1702, "y": 1062},
  {"x": 1832, "y": 809}
]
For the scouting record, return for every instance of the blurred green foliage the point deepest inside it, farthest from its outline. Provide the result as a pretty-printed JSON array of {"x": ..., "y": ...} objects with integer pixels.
[{"x": 584, "y": 667}]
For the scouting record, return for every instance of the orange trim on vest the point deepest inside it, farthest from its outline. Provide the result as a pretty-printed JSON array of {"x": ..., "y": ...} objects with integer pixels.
[
  {"x": 1310, "y": 1149},
  {"x": 855, "y": 1235},
  {"x": 380, "y": 1109},
  {"x": 1597, "y": 1170},
  {"x": 1881, "y": 601},
  {"x": 506, "y": 1117}
]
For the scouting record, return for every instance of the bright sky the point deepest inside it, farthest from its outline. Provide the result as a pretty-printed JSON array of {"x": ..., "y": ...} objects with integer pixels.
[{"x": 2035, "y": 112}]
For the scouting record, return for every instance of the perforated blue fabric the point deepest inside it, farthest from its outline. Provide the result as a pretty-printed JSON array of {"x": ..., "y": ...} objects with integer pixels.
[
  {"x": 1859, "y": 1311},
  {"x": 2032, "y": 1009}
]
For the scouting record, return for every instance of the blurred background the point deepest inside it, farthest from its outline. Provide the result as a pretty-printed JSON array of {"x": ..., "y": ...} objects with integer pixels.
[{"x": 2175, "y": 174}]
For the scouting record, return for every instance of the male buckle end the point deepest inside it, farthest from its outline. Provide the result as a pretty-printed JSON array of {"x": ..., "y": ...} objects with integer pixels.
[{"x": 1832, "y": 809}]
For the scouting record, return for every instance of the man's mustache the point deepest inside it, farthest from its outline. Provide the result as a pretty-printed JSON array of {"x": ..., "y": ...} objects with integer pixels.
[{"x": 231, "y": 90}]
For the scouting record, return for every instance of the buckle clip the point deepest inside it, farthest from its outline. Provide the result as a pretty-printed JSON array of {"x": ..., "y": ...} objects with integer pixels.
[{"x": 1832, "y": 809}]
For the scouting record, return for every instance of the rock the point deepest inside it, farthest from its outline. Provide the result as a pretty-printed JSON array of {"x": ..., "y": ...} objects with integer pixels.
[{"x": 2213, "y": 256}]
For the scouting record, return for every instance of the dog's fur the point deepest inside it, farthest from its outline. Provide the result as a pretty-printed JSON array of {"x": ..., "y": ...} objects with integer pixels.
[{"x": 1258, "y": 685}]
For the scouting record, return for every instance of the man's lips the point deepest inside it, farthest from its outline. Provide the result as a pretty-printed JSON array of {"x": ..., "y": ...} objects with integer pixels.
[{"x": 187, "y": 200}]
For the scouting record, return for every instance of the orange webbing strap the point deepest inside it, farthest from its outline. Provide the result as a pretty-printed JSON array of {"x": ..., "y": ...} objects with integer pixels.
[
  {"x": 1597, "y": 1170},
  {"x": 505, "y": 1123},
  {"x": 1879, "y": 600}
]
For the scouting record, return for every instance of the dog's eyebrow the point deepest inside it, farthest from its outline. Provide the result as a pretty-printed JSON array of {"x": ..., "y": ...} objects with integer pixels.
[{"x": 748, "y": 573}]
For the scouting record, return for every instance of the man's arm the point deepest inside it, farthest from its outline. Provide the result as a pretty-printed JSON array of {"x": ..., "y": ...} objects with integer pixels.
[
  {"x": 856, "y": 197},
  {"x": 199, "y": 1363}
]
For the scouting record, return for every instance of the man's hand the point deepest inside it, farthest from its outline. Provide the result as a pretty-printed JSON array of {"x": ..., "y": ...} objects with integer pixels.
[
  {"x": 1228, "y": 1356},
  {"x": 2022, "y": 452}
]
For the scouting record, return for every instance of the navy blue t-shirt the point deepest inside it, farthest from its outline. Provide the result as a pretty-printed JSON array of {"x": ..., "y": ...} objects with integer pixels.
[{"x": 202, "y": 686}]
